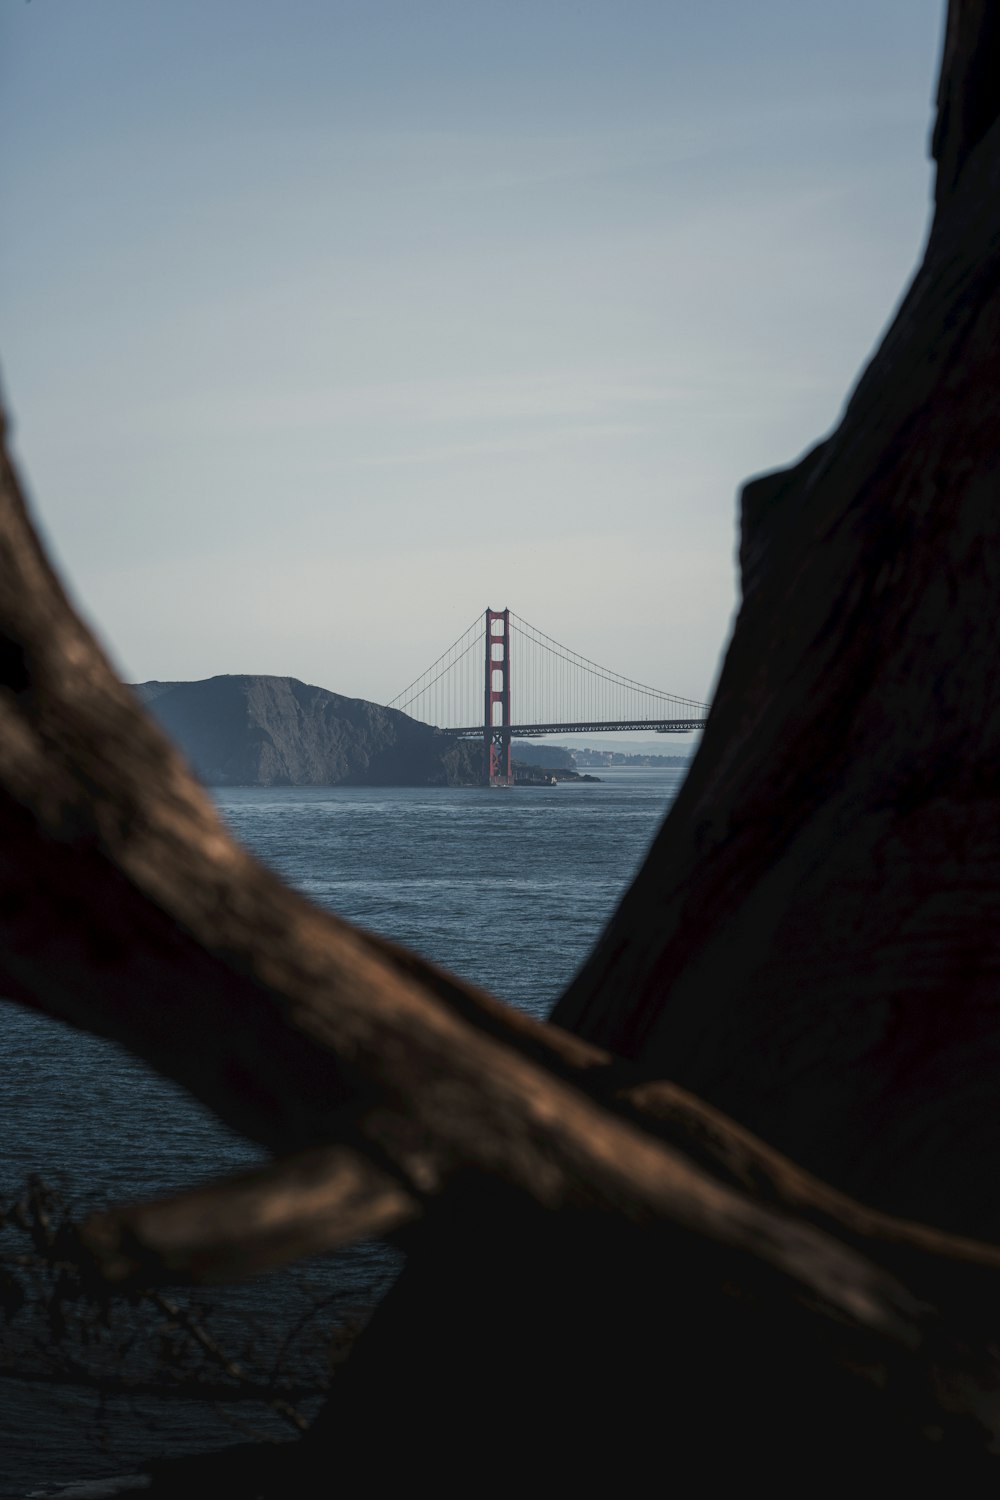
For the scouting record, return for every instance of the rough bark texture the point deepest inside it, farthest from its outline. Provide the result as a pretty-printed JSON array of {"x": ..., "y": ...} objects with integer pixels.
[{"x": 812, "y": 946}]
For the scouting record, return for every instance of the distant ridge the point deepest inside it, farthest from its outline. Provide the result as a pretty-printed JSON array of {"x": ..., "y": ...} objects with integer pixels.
[{"x": 278, "y": 731}]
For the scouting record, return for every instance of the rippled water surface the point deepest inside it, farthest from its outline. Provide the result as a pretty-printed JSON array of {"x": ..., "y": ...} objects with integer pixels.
[{"x": 507, "y": 888}]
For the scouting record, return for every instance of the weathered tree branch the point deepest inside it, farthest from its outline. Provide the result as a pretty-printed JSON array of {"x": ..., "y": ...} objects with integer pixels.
[
  {"x": 302, "y": 1205},
  {"x": 321, "y": 1199}
]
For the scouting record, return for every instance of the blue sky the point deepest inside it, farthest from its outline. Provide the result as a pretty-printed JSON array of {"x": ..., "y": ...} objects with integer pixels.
[{"x": 325, "y": 325}]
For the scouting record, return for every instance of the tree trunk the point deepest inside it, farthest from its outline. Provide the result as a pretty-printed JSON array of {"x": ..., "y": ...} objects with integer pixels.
[{"x": 813, "y": 943}]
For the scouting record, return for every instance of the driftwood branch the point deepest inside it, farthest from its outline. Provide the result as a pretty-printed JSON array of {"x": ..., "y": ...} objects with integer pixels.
[
  {"x": 302, "y": 1205},
  {"x": 322, "y": 1199}
]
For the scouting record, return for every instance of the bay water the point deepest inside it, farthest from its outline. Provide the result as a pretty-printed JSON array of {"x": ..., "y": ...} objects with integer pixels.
[{"x": 508, "y": 889}]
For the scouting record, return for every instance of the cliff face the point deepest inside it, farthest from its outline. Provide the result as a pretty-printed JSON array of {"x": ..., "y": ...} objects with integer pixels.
[{"x": 277, "y": 731}]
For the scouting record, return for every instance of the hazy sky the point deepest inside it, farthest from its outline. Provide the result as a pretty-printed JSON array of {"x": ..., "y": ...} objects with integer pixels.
[{"x": 326, "y": 324}]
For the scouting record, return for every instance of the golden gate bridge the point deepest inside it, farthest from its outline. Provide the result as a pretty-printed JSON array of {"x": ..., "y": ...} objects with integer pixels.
[{"x": 501, "y": 664}]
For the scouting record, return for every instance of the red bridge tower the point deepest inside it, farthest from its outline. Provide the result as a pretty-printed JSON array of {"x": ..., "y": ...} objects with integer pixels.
[{"x": 496, "y": 726}]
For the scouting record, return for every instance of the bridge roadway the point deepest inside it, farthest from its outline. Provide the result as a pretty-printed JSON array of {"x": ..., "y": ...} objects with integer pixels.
[{"x": 619, "y": 726}]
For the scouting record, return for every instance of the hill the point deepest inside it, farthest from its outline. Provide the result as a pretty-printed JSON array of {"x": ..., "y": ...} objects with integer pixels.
[
  {"x": 552, "y": 757},
  {"x": 277, "y": 731}
]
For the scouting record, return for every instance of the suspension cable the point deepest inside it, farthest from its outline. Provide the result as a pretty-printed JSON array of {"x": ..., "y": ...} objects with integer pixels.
[
  {"x": 547, "y": 643},
  {"x": 428, "y": 685},
  {"x": 427, "y": 670}
]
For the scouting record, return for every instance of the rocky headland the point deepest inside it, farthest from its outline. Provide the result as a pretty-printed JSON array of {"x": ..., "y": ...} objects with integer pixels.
[{"x": 277, "y": 731}]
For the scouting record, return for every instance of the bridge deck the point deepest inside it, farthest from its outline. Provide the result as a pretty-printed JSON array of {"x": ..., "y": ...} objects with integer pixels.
[{"x": 608, "y": 726}]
